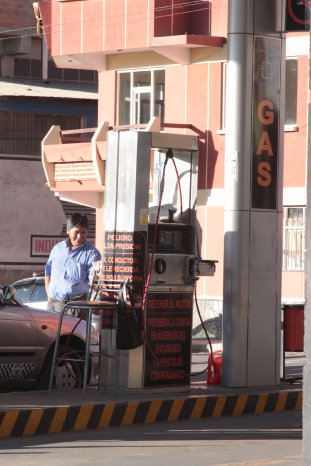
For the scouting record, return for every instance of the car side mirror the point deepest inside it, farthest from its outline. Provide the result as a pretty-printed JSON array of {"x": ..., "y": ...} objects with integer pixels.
[{"x": 8, "y": 293}]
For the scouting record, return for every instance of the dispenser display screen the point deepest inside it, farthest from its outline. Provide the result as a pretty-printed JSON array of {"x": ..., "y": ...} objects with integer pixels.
[
  {"x": 172, "y": 238},
  {"x": 166, "y": 238},
  {"x": 177, "y": 239}
]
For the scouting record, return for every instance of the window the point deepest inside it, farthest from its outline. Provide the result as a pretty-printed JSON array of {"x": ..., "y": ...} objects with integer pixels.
[
  {"x": 31, "y": 68},
  {"x": 140, "y": 96},
  {"x": 22, "y": 292},
  {"x": 291, "y": 91},
  {"x": 38, "y": 294},
  {"x": 294, "y": 238}
]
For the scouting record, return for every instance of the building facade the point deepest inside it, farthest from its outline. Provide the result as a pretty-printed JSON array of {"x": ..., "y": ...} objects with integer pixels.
[
  {"x": 168, "y": 59},
  {"x": 34, "y": 95}
]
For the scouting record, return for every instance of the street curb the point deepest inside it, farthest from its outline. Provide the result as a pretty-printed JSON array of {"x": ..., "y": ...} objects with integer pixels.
[{"x": 25, "y": 422}]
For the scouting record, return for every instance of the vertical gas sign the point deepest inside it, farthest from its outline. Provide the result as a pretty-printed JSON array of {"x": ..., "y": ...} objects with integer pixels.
[{"x": 266, "y": 104}]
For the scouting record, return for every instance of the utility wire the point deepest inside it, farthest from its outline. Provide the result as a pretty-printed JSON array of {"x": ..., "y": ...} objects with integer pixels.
[{"x": 110, "y": 23}]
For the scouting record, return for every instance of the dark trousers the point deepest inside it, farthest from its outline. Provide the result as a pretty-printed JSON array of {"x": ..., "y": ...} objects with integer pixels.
[{"x": 58, "y": 306}]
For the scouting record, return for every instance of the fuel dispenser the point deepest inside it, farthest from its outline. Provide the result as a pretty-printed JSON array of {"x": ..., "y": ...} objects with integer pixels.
[{"x": 150, "y": 216}]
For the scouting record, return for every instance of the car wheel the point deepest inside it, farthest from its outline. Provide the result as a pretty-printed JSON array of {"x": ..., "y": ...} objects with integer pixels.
[{"x": 67, "y": 374}]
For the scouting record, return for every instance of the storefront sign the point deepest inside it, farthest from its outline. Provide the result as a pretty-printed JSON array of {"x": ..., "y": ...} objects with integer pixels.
[
  {"x": 266, "y": 96},
  {"x": 168, "y": 330},
  {"x": 41, "y": 246}
]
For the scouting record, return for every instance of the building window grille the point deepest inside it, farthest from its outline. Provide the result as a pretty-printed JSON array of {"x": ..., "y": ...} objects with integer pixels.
[
  {"x": 31, "y": 68},
  {"x": 140, "y": 96},
  {"x": 22, "y": 133},
  {"x": 294, "y": 238}
]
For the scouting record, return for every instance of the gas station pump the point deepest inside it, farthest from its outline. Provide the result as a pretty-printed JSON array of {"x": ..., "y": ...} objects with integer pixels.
[{"x": 149, "y": 228}]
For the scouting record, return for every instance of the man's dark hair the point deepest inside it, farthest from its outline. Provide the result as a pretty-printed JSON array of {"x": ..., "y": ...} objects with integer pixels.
[{"x": 77, "y": 220}]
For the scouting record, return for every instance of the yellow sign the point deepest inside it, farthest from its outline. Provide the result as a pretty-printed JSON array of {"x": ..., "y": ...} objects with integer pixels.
[{"x": 144, "y": 217}]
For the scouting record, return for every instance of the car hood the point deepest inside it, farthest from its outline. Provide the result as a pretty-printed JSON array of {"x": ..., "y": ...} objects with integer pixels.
[{"x": 51, "y": 319}]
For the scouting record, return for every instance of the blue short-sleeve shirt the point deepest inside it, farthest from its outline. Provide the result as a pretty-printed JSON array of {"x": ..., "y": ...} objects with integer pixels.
[{"x": 70, "y": 270}]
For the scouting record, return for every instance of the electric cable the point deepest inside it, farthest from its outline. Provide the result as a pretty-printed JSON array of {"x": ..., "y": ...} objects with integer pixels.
[
  {"x": 119, "y": 22},
  {"x": 155, "y": 235},
  {"x": 179, "y": 187},
  {"x": 169, "y": 154}
]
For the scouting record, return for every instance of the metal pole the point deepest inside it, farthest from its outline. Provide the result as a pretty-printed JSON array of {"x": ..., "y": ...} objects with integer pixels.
[
  {"x": 253, "y": 194},
  {"x": 307, "y": 308}
]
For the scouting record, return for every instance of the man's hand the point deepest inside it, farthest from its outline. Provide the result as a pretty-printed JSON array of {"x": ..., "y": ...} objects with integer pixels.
[{"x": 97, "y": 267}]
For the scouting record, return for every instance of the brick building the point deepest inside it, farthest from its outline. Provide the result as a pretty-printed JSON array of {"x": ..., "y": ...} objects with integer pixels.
[{"x": 34, "y": 95}]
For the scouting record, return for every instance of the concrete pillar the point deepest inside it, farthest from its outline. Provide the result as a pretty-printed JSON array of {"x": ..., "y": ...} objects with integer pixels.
[
  {"x": 307, "y": 326},
  {"x": 253, "y": 193},
  {"x": 44, "y": 60}
]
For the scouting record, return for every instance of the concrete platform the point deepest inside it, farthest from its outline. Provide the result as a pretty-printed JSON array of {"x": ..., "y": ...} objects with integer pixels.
[{"x": 41, "y": 412}]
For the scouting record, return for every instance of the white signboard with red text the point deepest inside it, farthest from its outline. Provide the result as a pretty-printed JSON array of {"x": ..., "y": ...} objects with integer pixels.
[{"x": 41, "y": 246}]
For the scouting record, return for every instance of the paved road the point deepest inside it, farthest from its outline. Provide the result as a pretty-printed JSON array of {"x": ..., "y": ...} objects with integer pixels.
[{"x": 249, "y": 440}]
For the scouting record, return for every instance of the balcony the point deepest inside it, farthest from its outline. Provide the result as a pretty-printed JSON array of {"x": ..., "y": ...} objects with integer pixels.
[
  {"x": 91, "y": 34},
  {"x": 74, "y": 163}
]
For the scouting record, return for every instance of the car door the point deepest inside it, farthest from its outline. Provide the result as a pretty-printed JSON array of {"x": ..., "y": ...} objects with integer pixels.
[{"x": 18, "y": 344}]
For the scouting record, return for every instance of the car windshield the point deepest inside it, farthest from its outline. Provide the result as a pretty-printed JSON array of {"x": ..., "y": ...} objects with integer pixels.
[
  {"x": 22, "y": 292},
  {"x": 38, "y": 294}
]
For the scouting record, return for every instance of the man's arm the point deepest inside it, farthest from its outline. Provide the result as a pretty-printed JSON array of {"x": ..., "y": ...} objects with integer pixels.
[
  {"x": 94, "y": 265},
  {"x": 48, "y": 269},
  {"x": 47, "y": 282}
]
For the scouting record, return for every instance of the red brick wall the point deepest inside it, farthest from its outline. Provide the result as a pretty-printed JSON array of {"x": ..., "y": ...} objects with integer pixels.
[{"x": 16, "y": 15}]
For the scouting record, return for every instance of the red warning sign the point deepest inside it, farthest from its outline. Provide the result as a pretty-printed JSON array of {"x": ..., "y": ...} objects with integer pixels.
[
  {"x": 298, "y": 15},
  {"x": 124, "y": 258},
  {"x": 168, "y": 329}
]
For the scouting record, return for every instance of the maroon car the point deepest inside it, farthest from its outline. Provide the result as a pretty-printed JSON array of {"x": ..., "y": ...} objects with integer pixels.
[{"x": 27, "y": 339}]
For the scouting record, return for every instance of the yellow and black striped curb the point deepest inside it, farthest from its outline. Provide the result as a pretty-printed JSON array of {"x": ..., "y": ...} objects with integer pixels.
[{"x": 16, "y": 423}]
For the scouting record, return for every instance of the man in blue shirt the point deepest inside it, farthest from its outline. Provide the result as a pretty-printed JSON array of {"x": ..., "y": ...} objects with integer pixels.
[{"x": 70, "y": 266}]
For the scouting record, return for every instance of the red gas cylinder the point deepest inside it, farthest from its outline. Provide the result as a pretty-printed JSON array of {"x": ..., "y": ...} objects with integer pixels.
[{"x": 214, "y": 368}]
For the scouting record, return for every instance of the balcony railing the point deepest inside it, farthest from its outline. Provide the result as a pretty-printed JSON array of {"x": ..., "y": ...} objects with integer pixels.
[{"x": 74, "y": 160}]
